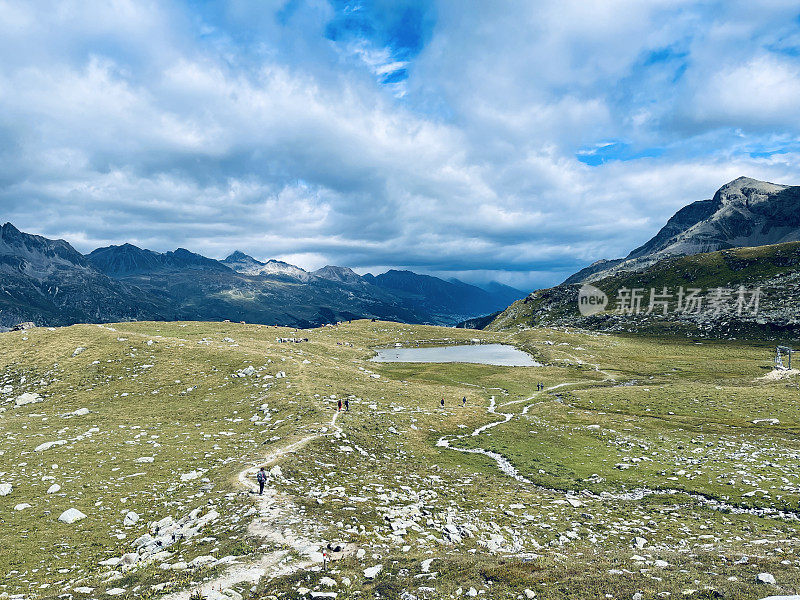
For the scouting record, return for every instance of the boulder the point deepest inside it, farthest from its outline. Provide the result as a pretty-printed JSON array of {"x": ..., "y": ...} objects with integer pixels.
[
  {"x": 27, "y": 398},
  {"x": 765, "y": 578},
  {"x": 5, "y": 489},
  {"x": 54, "y": 489},
  {"x": 71, "y": 515},
  {"x": 372, "y": 572},
  {"x": 130, "y": 519}
]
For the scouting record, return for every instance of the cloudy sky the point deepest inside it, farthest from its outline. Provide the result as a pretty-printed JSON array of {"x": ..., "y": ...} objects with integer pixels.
[{"x": 514, "y": 141}]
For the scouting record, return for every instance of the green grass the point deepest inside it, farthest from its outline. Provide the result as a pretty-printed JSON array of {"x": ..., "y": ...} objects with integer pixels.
[{"x": 683, "y": 421}]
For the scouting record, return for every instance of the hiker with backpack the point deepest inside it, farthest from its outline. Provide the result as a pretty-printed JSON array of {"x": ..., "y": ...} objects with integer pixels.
[{"x": 262, "y": 479}]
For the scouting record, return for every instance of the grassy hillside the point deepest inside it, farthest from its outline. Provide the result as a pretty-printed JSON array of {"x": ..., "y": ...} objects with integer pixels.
[
  {"x": 774, "y": 269},
  {"x": 633, "y": 438}
]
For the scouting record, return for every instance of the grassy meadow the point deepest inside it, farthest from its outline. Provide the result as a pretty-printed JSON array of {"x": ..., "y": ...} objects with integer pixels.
[{"x": 663, "y": 468}]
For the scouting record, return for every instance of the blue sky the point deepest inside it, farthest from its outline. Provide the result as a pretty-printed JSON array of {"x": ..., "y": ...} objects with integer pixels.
[{"x": 509, "y": 141}]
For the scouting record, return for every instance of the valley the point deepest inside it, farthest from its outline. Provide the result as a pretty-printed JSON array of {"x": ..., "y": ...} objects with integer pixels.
[{"x": 645, "y": 466}]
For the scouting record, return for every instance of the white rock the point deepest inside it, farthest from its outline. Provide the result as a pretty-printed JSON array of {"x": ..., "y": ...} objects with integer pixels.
[
  {"x": 84, "y": 590},
  {"x": 110, "y": 562},
  {"x": 116, "y": 591},
  {"x": 361, "y": 553},
  {"x": 203, "y": 561},
  {"x": 639, "y": 542},
  {"x": 71, "y": 515},
  {"x": 131, "y": 558},
  {"x": 372, "y": 572},
  {"x": 5, "y": 489},
  {"x": 472, "y": 592},
  {"x": 765, "y": 578},
  {"x": 48, "y": 445},
  {"x": 328, "y": 582},
  {"x": 426, "y": 565},
  {"x": 191, "y": 475},
  {"x": 22, "y": 506},
  {"x": 130, "y": 519},
  {"x": 27, "y": 398},
  {"x": 54, "y": 489},
  {"x": 276, "y": 471},
  {"x": 529, "y": 593},
  {"x": 78, "y": 350},
  {"x": 144, "y": 459}
]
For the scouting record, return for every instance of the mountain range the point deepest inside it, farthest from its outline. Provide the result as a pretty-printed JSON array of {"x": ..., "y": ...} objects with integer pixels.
[
  {"x": 50, "y": 283},
  {"x": 741, "y": 240}
]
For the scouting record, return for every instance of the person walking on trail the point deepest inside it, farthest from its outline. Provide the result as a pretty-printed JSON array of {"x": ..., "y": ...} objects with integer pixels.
[
  {"x": 339, "y": 403},
  {"x": 464, "y": 401},
  {"x": 442, "y": 402},
  {"x": 262, "y": 479},
  {"x": 346, "y": 404}
]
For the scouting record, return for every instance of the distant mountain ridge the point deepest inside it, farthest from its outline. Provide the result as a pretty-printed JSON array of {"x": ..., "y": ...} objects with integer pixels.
[{"x": 50, "y": 283}]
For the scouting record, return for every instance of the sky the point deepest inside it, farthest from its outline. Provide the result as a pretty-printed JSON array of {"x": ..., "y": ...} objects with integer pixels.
[{"x": 484, "y": 140}]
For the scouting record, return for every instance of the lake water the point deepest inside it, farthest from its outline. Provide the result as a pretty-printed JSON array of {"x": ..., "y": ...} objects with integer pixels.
[{"x": 485, "y": 354}]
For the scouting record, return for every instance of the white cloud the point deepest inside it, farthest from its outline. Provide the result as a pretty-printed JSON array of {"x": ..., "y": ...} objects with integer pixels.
[{"x": 142, "y": 122}]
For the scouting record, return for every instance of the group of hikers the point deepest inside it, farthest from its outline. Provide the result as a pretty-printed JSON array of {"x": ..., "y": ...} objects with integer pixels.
[
  {"x": 463, "y": 401},
  {"x": 261, "y": 477}
]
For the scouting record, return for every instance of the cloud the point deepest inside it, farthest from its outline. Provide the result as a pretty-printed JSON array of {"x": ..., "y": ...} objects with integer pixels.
[{"x": 515, "y": 141}]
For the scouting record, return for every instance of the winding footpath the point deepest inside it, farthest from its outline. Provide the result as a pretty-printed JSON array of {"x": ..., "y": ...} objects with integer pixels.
[
  {"x": 509, "y": 469},
  {"x": 275, "y": 510}
]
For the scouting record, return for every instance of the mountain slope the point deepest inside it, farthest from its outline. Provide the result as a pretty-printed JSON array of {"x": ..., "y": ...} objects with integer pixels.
[
  {"x": 446, "y": 297},
  {"x": 743, "y": 213},
  {"x": 726, "y": 281},
  {"x": 49, "y": 282},
  {"x": 247, "y": 265}
]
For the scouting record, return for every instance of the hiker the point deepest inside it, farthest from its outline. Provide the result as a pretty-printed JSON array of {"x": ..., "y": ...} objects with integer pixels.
[
  {"x": 346, "y": 404},
  {"x": 464, "y": 401},
  {"x": 339, "y": 403},
  {"x": 442, "y": 402},
  {"x": 262, "y": 479}
]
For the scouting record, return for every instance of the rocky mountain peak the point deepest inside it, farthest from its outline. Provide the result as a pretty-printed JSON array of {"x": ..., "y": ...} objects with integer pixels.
[
  {"x": 340, "y": 274},
  {"x": 744, "y": 212}
]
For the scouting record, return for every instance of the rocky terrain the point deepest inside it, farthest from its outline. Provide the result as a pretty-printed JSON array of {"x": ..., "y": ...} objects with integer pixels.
[
  {"x": 49, "y": 283},
  {"x": 743, "y": 292},
  {"x": 640, "y": 469}
]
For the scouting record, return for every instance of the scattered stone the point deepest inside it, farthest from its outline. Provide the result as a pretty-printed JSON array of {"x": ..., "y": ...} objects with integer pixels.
[
  {"x": 5, "y": 489},
  {"x": 71, "y": 515},
  {"x": 130, "y": 519},
  {"x": 22, "y": 506},
  {"x": 78, "y": 350},
  {"x": 54, "y": 489}
]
